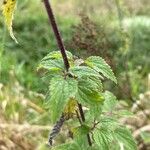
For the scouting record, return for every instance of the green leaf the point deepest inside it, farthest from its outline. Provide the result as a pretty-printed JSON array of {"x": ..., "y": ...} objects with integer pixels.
[
  {"x": 96, "y": 82},
  {"x": 99, "y": 64},
  {"x": 102, "y": 138},
  {"x": 110, "y": 102},
  {"x": 53, "y": 61},
  {"x": 79, "y": 143},
  {"x": 57, "y": 55},
  {"x": 81, "y": 130},
  {"x": 124, "y": 138},
  {"x": 94, "y": 112},
  {"x": 87, "y": 93},
  {"x": 108, "y": 122},
  {"x": 83, "y": 71},
  {"x": 67, "y": 146},
  {"x": 61, "y": 91},
  {"x": 82, "y": 141},
  {"x": 47, "y": 76},
  {"x": 51, "y": 65}
]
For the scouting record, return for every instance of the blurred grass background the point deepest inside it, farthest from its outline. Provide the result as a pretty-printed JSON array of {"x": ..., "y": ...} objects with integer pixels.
[{"x": 119, "y": 33}]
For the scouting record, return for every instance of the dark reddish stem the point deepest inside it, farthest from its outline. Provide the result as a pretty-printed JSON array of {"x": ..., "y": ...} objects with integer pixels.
[
  {"x": 63, "y": 52},
  {"x": 56, "y": 32}
]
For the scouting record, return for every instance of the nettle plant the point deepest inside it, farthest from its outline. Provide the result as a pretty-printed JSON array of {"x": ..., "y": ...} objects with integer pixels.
[{"x": 76, "y": 97}]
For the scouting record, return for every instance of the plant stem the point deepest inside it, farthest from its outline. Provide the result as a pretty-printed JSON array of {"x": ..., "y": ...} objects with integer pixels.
[
  {"x": 63, "y": 52},
  {"x": 56, "y": 32},
  {"x": 83, "y": 120},
  {"x": 81, "y": 112},
  {"x": 78, "y": 116}
]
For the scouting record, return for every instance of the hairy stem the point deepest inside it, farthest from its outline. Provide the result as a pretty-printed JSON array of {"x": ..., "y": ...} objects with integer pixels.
[
  {"x": 56, "y": 130},
  {"x": 56, "y": 32}
]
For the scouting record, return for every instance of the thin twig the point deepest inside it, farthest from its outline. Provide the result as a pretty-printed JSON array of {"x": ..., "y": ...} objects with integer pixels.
[{"x": 94, "y": 125}]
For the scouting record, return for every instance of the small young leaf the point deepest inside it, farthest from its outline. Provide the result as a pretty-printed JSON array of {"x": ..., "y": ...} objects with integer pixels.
[
  {"x": 99, "y": 64},
  {"x": 70, "y": 108},
  {"x": 53, "y": 61},
  {"x": 52, "y": 65},
  {"x": 8, "y": 9},
  {"x": 57, "y": 55},
  {"x": 61, "y": 91}
]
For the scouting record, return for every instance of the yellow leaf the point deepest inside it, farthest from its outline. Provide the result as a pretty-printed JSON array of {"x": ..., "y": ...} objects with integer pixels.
[
  {"x": 8, "y": 8},
  {"x": 70, "y": 108}
]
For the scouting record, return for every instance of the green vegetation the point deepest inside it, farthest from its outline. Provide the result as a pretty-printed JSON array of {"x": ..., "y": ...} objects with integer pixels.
[
  {"x": 88, "y": 28},
  {"x": 82, "y": 84}
]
